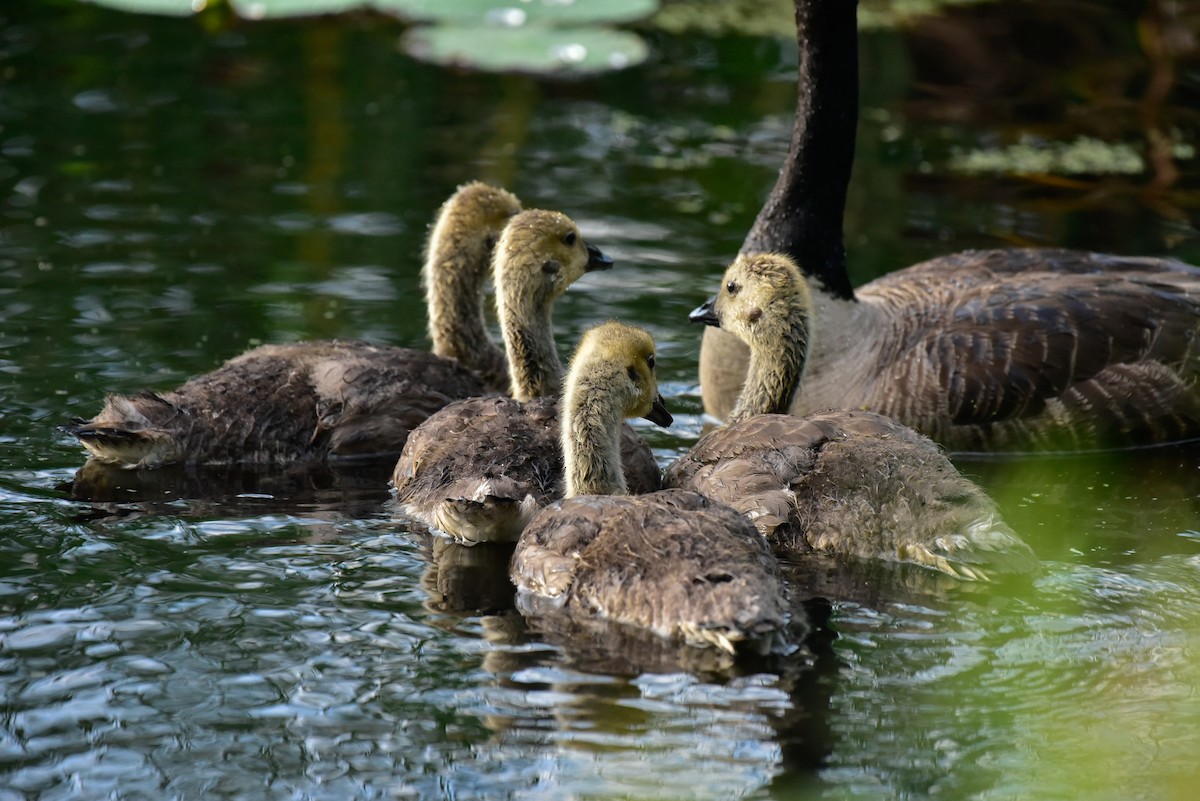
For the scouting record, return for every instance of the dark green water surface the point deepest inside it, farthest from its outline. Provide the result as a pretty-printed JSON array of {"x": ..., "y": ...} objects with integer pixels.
[{"x": 173, "y": 192}]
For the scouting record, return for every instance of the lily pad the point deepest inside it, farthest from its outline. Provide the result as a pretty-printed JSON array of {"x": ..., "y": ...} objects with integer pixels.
[
  {"x": 271, "y": 9},
  {"x": 515, "y": 13},
  {"x": 1084, "y": 156},
  {"x": 169, "y": 8},
  {"x": 532, "y": 48},
  {"x": 530, "y": 36}
]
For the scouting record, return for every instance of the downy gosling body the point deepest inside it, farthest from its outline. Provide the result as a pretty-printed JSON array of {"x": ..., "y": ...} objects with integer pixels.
[
  {"x": 995, "y": 350},
  {"x": 480, "y": 468},
  {"x": 673, "y": 563},
  {"x": 326, "y": 399},
  {"x": 850, "y": 483}
]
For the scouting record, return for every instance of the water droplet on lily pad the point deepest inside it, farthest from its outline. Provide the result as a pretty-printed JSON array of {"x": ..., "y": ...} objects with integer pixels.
[
  {"x": 573, "y": 53},
  {"x": 506, "y": 17}
]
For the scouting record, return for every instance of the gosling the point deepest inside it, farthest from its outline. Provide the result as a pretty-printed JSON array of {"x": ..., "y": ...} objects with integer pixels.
[
  {"x": 480, "y": 468},
  {"x": 673, "y": 563},
  {"x": 849, "y": 483},
  {"x": 327, "y": 399}
]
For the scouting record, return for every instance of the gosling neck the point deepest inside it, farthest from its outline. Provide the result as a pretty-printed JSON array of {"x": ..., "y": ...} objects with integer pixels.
[
  {"x": 802, "y": 216},
  {"x": 455, "y": 270},
  {"x": 776, "y": 368},
  {"x": 534, "y": 369},
  {"x": 591, "y": 437}
]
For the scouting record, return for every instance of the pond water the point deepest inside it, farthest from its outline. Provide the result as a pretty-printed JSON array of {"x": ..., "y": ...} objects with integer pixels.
[{"x": 173, "y": 192}]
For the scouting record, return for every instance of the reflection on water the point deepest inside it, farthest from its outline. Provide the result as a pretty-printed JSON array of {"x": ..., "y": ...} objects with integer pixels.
[{"x": 171, "y": 195}]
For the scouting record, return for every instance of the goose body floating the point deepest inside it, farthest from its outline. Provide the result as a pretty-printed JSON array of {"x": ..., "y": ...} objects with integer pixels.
[
  {"x": 325, "y": 399},
  {"x": 990, "y": 350},
  {"x": 480, "y": 468},
  {"x": 845, "y": 483},
  {"x": 673, "y": 563}
]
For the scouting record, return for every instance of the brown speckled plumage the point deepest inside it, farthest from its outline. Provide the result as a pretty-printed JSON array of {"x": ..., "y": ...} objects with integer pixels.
[
  {"x": 852, "y": 483},
  {"x": 311, "y": 401},
  {"x": 995, "y": 350},
  {"x": 1034, "y": 349},
  {"x": 281, "y": 403},
  {"x": 485, "y": 466},
  {"x": 479, "y": 469},
  {"x": 673, "y": 563}
]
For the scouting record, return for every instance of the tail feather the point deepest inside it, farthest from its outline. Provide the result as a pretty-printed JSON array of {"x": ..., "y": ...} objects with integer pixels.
[
  {"x": 490, "y": 519},
  {"x": 986, "y": 550},
  {"x": 124, "y": 446}
]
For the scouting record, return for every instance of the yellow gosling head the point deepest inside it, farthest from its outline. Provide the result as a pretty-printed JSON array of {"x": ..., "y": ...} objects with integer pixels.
[{"x": 620, "y": 358}]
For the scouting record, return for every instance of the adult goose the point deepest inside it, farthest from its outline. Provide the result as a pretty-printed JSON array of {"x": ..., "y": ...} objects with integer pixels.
[
  {"x": 846, "y": 483},
  {"x": 326, "y": 399},
  {"x": 982, "y": 350},
  {"x": 479, "y": 468},
  {"x": 673, "y": 563}
]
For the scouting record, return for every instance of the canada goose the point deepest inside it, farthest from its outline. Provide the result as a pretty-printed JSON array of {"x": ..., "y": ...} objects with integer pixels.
[
  {"x": 842, "y": 482},
  {"x": 309, "y": 401},
  {"x": 481, "y": 467},
  {"x": 673, "y": 562},
  {"x": 981, "y": 350}
]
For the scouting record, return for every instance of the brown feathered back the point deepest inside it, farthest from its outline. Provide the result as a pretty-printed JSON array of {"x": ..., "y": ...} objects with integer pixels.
[
  {"x": 853, "y": 484},
  {"x": 1053, "y": 350},
  {"x": 275, "y": 404},
  {"x": 482, "y": 467},
  {"x": 673, "y": 563}
]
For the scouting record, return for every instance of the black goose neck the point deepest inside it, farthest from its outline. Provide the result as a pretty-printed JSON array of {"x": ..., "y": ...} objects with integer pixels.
[{"x": 802, "y": 217}]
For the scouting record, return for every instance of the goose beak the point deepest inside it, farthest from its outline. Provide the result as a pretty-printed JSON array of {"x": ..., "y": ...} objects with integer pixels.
[
  {"x": 597, "y": 260},
  {"x": 706, "y": 313},
  {"x": 658, "y": 413}
]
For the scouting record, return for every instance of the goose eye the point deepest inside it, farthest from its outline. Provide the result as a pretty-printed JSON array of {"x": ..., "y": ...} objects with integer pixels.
[
  {"x": 650, "y": 361},
  {"x": 569, "y": 239},
  {"x": 732, "y": 288}
]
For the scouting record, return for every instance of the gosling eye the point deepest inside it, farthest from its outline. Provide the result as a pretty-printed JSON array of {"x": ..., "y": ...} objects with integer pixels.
[
  {"x": 650, "y": 361},
  {"x": 732, "y": 287},
  {"x": 569, "y": 239},
  {"x": 550, "y": 267}
]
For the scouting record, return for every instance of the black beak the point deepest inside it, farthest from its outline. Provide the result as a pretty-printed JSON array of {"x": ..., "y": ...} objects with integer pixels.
[
  {"x": 597, "y": 260},
  {"x": 658, "y": 413},
  {"x": 706, "y": 313}
]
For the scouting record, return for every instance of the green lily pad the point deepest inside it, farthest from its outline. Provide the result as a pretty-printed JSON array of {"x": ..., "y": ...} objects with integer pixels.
[
  {"x": 515, "y": 13},
  {"x": 168, "y": 8},
  {"x": 531, "y": 48},
  {"x": 1084, "y": 156},
  {"x": 274, "y": 9}
]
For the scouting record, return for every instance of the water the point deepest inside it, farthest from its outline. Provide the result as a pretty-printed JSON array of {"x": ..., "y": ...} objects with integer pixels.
[{"x": 172, "y": 195}]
